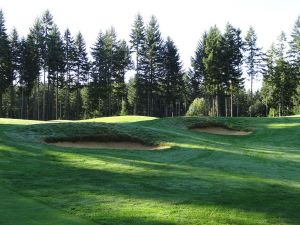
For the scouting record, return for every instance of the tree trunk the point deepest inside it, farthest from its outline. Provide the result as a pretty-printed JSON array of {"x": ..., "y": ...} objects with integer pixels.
[
  {"x": 226, "y": 113},
  {"x": 251, "y": 96},
  {"x": 237, "y": 107},
  {"x": 27, "y": 107},
  {"x": 213, "y": 106},
  {"x": 44, "y": 96},
  {"x": 38, "y": 97},
  {"x": 217, "y": 104},
  {"x": 22, "y": 104},
  {"x": 134, "y": 108},
  {"x": 231, "y": 104},
  {"x": 11, "y": 113},
  {"x": 1, "y": 112},
  {"x": 56, "y": 98}
]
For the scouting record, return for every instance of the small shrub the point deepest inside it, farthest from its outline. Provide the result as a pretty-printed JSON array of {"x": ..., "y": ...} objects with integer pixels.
[
  {"x": 272, "y": 112},
  {"x": 197, "y": 108},
  {"x": 124, "y": 111}
]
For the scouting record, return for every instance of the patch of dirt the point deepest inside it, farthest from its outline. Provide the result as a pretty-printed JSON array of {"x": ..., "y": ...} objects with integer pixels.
[
  {"x": 107, "y": 145},
  {"x": 221, "y": 131}
]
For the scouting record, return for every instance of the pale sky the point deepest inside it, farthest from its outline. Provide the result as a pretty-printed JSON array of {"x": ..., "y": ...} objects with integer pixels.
[{"x": 184, "y": 21}]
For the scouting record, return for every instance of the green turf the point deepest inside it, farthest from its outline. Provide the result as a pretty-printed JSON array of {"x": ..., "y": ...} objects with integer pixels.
[{"x": 201, "y": 179}]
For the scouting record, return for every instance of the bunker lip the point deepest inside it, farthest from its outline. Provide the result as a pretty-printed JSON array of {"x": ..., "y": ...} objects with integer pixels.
[
  {"x": 222, "y": 131},
  {"x": 219, "y": 129},
  {"x": 103, "y": 142}
]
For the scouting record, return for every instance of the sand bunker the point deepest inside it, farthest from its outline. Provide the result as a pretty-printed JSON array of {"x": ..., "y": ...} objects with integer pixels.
[
  {"x": 221, "y": 131},
  {"x": 108, "y": 145}
]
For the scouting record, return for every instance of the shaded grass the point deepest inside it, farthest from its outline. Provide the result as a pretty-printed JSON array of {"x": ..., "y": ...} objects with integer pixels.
[{"x": 203, "y": 179}]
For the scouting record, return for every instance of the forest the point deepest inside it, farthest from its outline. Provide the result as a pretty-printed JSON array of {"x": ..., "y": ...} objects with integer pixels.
[{"x": 49, "y": 75}]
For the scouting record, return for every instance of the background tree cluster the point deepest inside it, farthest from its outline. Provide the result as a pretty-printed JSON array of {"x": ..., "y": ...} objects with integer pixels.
[{"x": 51, "y": 75}]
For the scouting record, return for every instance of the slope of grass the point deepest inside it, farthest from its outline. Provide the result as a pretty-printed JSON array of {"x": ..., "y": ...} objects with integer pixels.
[{"x": 202, "y": 179}]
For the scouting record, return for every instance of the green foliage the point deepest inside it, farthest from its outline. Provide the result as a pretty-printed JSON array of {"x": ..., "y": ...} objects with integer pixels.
[
  {"x": 171, "y": 83},
  {"x": 124, "y": 111},
  {"x": 281, "y": 77},
  {"x": 197, "y": 108},
  {"x": 132, "y": 95},
  {"x": 6, "y": 75},
  {"x": 197, "y": 72},
  {"x": 272, "y": 112},
  {"x": 48, "y": 76},
  {"x": 111, "y": 60}
]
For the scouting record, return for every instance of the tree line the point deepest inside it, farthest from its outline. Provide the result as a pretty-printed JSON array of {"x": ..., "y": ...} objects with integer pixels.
[{"x": 51, "y": 75}]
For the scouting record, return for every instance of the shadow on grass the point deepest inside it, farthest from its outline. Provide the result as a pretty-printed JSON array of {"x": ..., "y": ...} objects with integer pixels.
[{"x": 176, "y": 179}]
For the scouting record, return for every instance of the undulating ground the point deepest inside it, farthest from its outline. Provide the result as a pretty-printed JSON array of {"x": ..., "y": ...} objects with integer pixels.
[{"x": 201, "y": 179}]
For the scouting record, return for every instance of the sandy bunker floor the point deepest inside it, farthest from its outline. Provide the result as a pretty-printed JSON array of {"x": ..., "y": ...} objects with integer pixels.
[
  {"x": 108, "y": 145},
  {"x": 222, "y": 131}
]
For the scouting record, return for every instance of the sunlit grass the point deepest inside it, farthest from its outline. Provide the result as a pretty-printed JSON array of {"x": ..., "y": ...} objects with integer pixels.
[{"x": 201, "y": 179}]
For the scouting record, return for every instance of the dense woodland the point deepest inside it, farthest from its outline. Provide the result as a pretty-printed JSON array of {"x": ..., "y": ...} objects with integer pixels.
[{"x": 51, "y": 75}]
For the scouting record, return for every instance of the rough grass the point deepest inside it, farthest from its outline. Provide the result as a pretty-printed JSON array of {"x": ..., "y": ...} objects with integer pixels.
[{"x": 202, "y": 179}]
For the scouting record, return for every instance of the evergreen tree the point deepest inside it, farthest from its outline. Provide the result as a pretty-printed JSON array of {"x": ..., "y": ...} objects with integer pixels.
[
  {"x": 294, "y": 57},
  {"x": 232, "y": 61},
  {"x": 294, "y": 52},
  {"x": 69, "y": 69},
  {"x": 81, "y": 71},
  {"x": 213, "y": 64},
  {"x": 253, "y": 59},
  {"x": 123, "y": 63},
  {"x": 111, "y": 60},
  {"x": 98, "y": 85},
  {"x": 197, "y": 71},
  {"x": 282, "y": 76},
  {"x": 110, "y": 47},
  {"x": 46, "y": 23},
  {"x": 56, "y": 66},
  {"x": 153, "y": 66},
  {"x": 29, "y": 71},
  {"x": 15, "y": 49},
  {"x": 137, "y": 41},
  {"x": 172, "y": 80},
  {"x": 6, "y": 75},
  {"x": 36, "y": 32}
]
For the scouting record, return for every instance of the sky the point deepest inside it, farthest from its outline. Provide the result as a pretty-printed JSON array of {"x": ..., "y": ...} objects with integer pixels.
[{"x": 184, "y": 21}]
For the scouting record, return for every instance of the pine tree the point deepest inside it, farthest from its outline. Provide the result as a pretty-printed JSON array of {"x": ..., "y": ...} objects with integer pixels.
[
  {"x": 36, "y": 32},
  {"x": 69, "y": 69},
  {"x": 46, "y": 23},
  {"x": 123, "y": 63},
  {"x": 172, "y": 79},
  {"x": 110, "y": 48},
  {"x": 56, "y": 65},
  {"x": 153, "y": 66},
  {"x": 81, "y": 71},
  {"x": 29, "y": 71},
  {"x": 98, "y": 84},
  {"x": 213, "y": 64},
  {"x": 232, "y": 59},
  {"x": 6, "y": 75},
  {"x": 294, "y": 57},
  {"x": 294, "y": 52},
  {"x": 137, "y": 41},
  {"x": 15, "y": 49},
  {"x": 253, "y": 59},
  {"x": 197, "y": 71},
  {"x": 282, "y": 77}
]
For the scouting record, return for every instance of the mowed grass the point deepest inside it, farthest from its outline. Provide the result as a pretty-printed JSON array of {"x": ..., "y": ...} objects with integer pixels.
[{"x": 201, "y": 179}]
